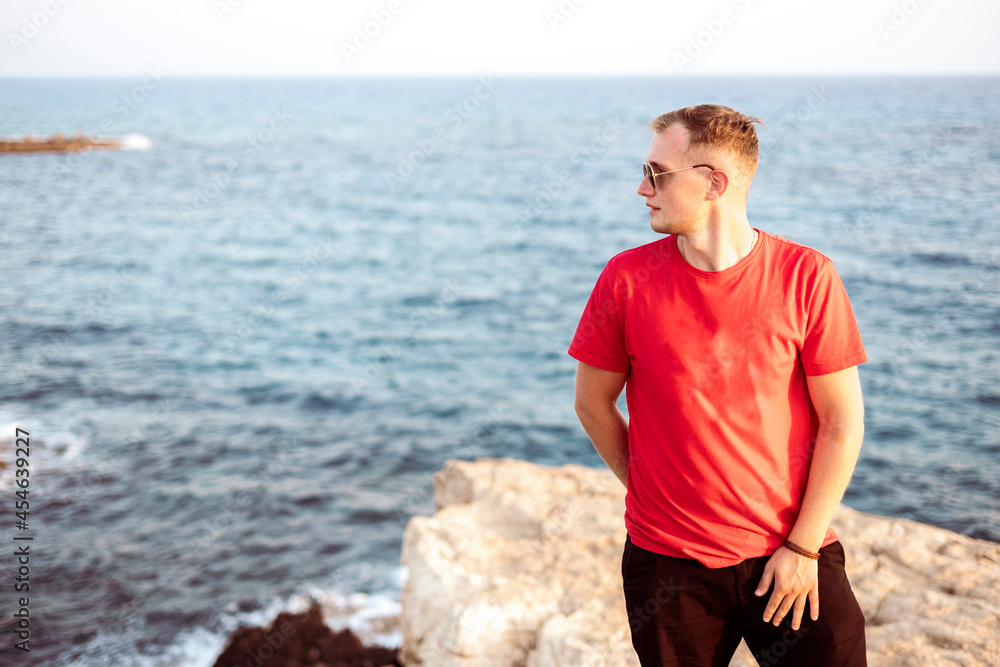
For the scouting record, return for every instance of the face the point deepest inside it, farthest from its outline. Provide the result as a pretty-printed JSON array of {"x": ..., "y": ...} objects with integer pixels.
[{"x": 676, "y": 206}]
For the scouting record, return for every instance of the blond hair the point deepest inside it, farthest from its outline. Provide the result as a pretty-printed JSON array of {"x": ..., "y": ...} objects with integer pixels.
[{"x": 715, "y": 128}]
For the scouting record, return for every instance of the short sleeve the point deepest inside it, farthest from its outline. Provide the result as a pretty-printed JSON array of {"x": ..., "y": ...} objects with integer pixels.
[
  {"x": 832, "y": 341},
  {"x": 599, "y": 340}
]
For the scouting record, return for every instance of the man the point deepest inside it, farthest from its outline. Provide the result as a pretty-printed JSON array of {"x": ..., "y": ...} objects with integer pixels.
[{"x": 739, "y": 350}]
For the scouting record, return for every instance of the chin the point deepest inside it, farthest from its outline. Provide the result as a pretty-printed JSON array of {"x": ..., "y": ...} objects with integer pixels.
[{"x": 661, "y": 228}]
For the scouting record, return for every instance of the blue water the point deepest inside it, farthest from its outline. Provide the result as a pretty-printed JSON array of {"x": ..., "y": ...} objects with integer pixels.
[{"x": 242, "y": 353}]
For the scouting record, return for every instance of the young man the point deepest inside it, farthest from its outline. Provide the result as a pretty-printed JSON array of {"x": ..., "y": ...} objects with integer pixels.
[{"x": 740, "y": 351}]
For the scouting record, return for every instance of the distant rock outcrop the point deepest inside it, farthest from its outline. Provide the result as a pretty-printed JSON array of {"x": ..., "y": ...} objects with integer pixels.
[
  {"x": 58, "y": 143},
  {"x": 521, "y": 566}
]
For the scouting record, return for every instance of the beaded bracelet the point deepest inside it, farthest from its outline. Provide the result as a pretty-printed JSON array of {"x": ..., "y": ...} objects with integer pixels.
[{"x": 791, "y": 546}]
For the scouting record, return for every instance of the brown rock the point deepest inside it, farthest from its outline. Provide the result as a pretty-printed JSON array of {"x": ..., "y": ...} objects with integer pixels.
[{"x": 301, "y": 640}]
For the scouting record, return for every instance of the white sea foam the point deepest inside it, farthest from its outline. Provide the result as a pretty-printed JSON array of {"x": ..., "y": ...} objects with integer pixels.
[
  {"x": 196, "y": 648},
  {"x": 136, "y": 142},
  {"x": 373, "y": 617},
  {"x": 48, "y": 444}
]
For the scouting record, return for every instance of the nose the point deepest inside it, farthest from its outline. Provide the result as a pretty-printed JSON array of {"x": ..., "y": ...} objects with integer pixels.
[{"x": 645, "y": 189}]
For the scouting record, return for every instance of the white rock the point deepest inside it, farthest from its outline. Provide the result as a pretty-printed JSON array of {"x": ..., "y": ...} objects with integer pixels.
[{"x": 521, "y": 565}]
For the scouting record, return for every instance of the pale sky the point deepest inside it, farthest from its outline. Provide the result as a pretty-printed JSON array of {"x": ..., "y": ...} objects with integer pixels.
[{"x": 507, "y": 37}]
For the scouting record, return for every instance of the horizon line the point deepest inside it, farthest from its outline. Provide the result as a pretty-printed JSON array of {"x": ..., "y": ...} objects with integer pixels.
[{"x": 431, "y": 75}]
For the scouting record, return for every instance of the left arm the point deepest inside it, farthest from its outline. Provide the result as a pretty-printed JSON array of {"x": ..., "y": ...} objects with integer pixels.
[{"x": 838, "y": 403}]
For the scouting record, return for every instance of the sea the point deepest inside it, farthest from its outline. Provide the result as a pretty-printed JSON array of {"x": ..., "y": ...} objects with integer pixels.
[{"x": 241, "y": 348}]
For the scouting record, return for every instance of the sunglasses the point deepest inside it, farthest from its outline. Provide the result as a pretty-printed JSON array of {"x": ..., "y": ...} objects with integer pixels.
[{"x": 647, "y": 172}]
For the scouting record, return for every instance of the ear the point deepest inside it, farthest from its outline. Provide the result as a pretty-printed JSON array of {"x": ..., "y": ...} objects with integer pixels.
[{"x": 718, "y": 186}]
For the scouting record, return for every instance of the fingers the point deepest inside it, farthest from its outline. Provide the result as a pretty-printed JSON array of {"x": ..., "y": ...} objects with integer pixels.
[
  {"x": 765, "y": 581},
  {"x": 786, "y": 604},
  {"x": 772, "y": 605},
  {"x": 779, "y": 604},
  {"x": 797, "y": 609}
]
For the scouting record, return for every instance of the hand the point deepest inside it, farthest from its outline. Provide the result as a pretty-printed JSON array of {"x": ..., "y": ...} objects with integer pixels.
[{"x": 796, "y": 578}]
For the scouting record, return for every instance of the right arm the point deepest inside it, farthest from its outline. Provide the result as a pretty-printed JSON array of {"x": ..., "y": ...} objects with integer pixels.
[{"x": 597, "y": 393}]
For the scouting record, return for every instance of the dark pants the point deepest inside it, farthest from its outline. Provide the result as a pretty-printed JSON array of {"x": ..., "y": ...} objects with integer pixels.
[{"x": 683, "y": 613}]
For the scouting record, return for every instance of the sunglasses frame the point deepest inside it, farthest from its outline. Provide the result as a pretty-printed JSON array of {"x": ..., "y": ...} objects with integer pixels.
[{"x": 650, "y": 175}]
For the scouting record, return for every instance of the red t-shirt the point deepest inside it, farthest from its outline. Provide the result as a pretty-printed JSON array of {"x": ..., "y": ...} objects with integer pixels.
[{"x": 721, "y": 428}]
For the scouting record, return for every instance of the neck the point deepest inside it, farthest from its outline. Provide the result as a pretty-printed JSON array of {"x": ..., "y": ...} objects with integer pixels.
[{"x": 717, "y": 249}]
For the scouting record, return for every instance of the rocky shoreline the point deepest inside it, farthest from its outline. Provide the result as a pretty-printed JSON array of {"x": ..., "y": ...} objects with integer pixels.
[{"x": 520, "y": 566}]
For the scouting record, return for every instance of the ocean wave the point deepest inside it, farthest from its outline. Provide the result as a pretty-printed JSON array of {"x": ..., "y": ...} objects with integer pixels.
[
  {"x": 46, "y": 447},
  {"x": 372, "y": 616}
]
